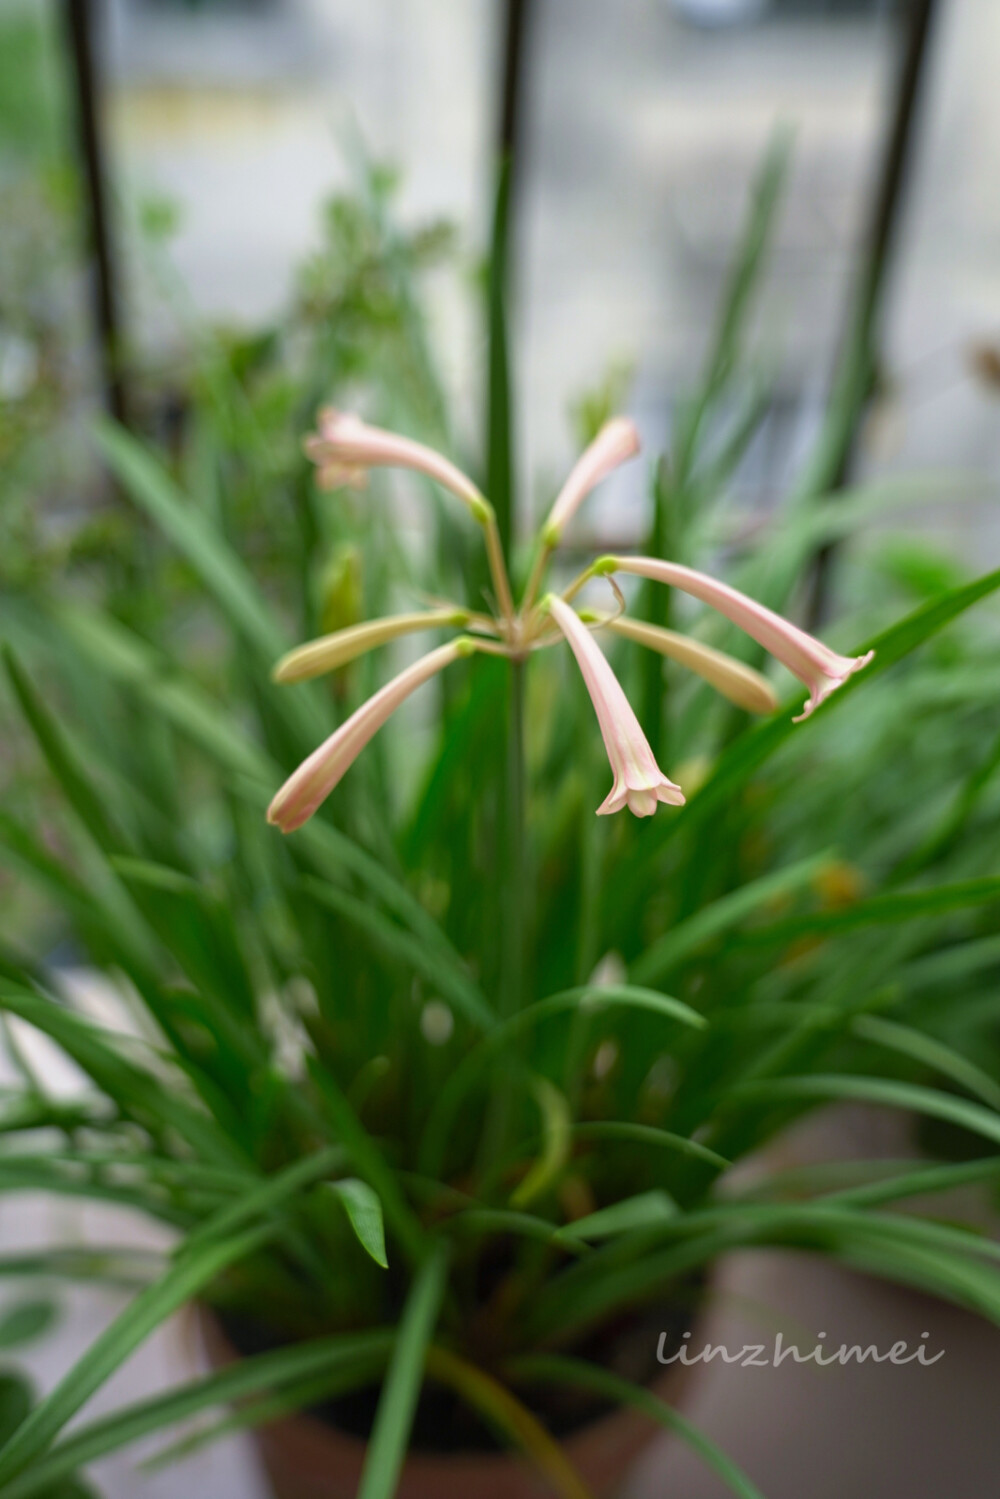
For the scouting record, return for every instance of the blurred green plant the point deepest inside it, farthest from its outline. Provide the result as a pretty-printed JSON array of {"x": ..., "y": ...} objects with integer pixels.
[
  {"x": 395, "y": 1156},
  {"x": 43, "y": 360},
  {"x": 22, "y": 1323}
]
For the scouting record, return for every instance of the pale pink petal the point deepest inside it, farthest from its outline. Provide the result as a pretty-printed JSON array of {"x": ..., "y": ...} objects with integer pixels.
[
  {"x": 347, "y": 445},
  {"x": 821, "y": 669},
  {"x": 638, "y": 783},
  {"x": 316, "y": 777},
  {"x": 616, "y": 442}
]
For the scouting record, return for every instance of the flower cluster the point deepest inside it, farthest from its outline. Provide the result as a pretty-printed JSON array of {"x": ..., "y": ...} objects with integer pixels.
[{"x": 345, "y": 448}]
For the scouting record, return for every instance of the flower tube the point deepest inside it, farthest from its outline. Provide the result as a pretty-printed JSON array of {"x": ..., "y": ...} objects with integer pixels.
[
  {"x": 345, "y": 446},
  {"x": 617, "y": 441},
  {"x": 821, "y": 669},
  {"x": 638, "y": 783},
  {"x": 316, "y": 777}
]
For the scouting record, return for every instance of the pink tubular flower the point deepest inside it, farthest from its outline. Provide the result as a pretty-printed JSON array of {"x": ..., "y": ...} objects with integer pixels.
[
  {"x": 316, "y": 777},
  {"x": 345, "y": 447},
  {"x": 821, "y": 669},
  {"x": 639, "y": 782},
  {"x": 616, "y": 442}
]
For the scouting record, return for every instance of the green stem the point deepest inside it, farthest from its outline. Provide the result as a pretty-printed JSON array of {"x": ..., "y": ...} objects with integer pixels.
[
  {"x": 513, "y": 878},
  {"x": 513, "y": 835}
]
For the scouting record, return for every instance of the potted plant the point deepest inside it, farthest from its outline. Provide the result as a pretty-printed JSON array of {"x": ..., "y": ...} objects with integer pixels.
[{"x": 440, "y": 1089}]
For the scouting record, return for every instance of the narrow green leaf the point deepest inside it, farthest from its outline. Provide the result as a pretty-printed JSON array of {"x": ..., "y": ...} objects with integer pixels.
[
  {"x": 260, "y": 1201},
  {"x": 920, "y": 1182},
  {"x": 450, "y": 980},
  {"x": 197, "y": 929},
  {"x": 646, "y": 1210},
  {"x": 149, "y": 485},
  {"x": 556, "y": 1140},
  {"x": 489, "y": 1221},
  {"x": 188, "y": 1275},
  {"x": 257, "y": 1374},
  {"x": 15, "y": 1403},
  {"x": 881, "y": 910},
  {"x": 509, "y": 1418},
  {"x": 743, "y": 280},
  {"x": 909, "y": 1042},
  {"x": 586, "y": 999},
  {"x": 720, "y": 915},
  {"x": 578, "y": 1374},
  {"x": 132, "y": 1268},
  {"x": 126, "y": 658},
  {"x": 919, "y": 1100},
  {"x": 398, "y": 1401},
  {"x": 121, "y": 655},
  {"x": 262, "y": 1410},
  {"x": 139, "y": 1094},
  {"x": 648, "y": 1134},
  {"x": 63, "y": 762},
  {"x": 499, "y": 434}
]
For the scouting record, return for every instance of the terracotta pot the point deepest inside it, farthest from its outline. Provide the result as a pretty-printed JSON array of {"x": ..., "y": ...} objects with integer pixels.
[{"x": 306, "y": 1459}]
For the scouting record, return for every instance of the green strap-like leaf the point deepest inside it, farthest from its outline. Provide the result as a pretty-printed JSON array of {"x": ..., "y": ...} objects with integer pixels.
[
  {"x": 126, "y": 658},
  {"x": 62, "y": 760},
  {"x": 718, "y": 917},
  {"x": 260, "y": 1200},
  {"x": 585, "y": 998},
  {"x": 499, "y": 426},
  {"x": 881, "y": 910},
  {"x": 909, "y": 1042},
  {"x": 919, "y": 1100},
  {"x": 920, "y": 1182},
  {"x": 261, "y": 1373},
  {"x": 143, "y": 1315},
  {"x": 25, "y": 1321},
  {"x": 450, "y": 979},
  {"x": 398, "y": 1401},
  {"x": 149, "y": 485},
  {"x": 136, "y": 1091},
  {"x": 509, "y": 1418},
  {"x": 646, "y": 1210},
  {"x": 578, "y": 1374},
  {"x": 649, "y": 1134},
  {"x": 484, "y": 1222},
  {"x": 557, "y": 1138}
]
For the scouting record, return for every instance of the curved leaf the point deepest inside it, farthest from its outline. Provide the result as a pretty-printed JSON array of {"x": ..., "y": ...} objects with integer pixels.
[{"x": 364, "y": 1213}]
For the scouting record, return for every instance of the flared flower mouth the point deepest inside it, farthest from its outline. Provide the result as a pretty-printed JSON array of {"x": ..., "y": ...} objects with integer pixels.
[
  {"x": 639, "y": 783},
  {"x": 828, "y": 677},
  {"x": 821, "y": 669},
  {"x": 641, "y": 799}
]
